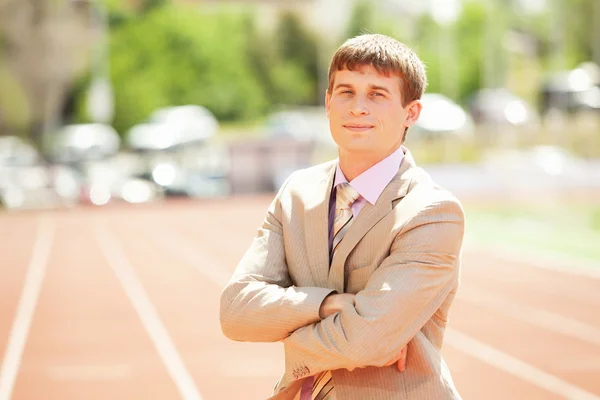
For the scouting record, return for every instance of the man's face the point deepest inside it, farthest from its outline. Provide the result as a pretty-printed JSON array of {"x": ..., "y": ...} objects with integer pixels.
[{"x": 366, "y": 115}]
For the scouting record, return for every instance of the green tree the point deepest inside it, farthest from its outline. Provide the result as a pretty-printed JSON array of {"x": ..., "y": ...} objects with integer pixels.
[
  {"x": 579, "y": 30},
  {"x": 469, "y": 41},
  {"x": 260, "y": 52},
  {"x": 295, "y": 74},
  {"x": 175, "y": 55},
  {"x": 473, "y": 47},
  {"x": 361, "y": 20}
]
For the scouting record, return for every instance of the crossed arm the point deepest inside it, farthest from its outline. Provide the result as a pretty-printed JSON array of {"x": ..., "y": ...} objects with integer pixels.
[
  {"x": 400, "y": 297},
  {"x": 260, "y": 304},
  {"x": 331, "y": 332},
  {"x": 335, "y": 303}
]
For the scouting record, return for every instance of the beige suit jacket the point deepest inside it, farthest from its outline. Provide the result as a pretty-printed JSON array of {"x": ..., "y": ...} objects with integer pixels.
[{"x": 401, "y": 257}]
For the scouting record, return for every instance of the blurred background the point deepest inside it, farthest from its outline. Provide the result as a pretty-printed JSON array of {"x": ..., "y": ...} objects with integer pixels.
[
  {"x": 216, "y": 98},
  {"x": 151, "y": 104}
]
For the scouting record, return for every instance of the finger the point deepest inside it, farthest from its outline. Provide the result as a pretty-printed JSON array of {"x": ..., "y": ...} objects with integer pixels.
[
  {"x": 402, "y": 360},
  {"x": 401, "y": 364}
]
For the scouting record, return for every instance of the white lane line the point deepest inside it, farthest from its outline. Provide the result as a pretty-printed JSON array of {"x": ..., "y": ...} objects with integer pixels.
[
  {"x": 533, "y": 315},
  {"x": 183, "y": 249},
  {"x": 26, "y": 308},
  {"x": 147, "y": 313},
  {"x": 546, "y": 259},
  {"x": 513, "y": 366}
]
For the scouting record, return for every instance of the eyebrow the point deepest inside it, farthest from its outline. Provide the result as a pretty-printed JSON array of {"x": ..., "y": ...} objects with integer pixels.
[{"x": 373, "y": 87}]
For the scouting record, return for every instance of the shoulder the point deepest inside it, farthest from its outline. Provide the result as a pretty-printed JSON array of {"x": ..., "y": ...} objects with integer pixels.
[{"x": 426, "y": 196}]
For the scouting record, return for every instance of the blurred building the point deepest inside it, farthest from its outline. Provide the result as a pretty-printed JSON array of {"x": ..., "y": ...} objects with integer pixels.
[{"x": 44, "y": 46}]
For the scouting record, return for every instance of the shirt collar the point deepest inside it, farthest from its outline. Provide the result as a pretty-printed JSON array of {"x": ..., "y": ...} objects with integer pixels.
[{"x": 370, "y": 184}]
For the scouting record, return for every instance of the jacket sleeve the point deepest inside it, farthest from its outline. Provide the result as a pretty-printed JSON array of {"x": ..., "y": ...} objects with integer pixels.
[
  {"x": 260, "y": 304},
  {"x": 400, "y": 297}
]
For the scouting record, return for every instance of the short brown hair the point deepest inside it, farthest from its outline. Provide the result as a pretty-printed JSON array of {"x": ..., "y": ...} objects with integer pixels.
[{"x": 388, "y": 56}]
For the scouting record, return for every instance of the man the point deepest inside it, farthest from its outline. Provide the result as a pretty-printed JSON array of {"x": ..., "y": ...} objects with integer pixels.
[{"x": 357, "y": 258}]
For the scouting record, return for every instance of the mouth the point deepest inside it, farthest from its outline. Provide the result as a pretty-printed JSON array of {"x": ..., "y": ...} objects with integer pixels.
[{"x": 358, "y": 127}]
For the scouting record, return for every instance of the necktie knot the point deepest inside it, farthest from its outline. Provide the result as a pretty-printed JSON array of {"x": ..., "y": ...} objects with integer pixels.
[{"x": 345, "y": 196}]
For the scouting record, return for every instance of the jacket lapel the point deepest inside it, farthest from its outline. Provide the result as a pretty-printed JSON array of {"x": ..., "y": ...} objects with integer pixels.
[
  {"x": 368, "y": 217},
  {"x": 316, "y": 220}
]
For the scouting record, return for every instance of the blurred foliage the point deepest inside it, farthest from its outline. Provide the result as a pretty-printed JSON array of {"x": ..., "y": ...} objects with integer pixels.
[
  {"x": 557, "y": 224},
  {"x": 361, "y": 20},
  {"x": 448, "y": 150},
  {"x": 487, "y": 32},
  {"x": 366, "y": 19},
  {"x": 167, "y": 54},
  {"x": 285, "y": 63},
  {"x": 469, "y": 50},
  {"x": 425, "y": 38},
  {"x": 578, "y": 18},
  {"x": 595, "y": 219},
  {"x": 14, "y": 109},
  {"x": 297, "y": 50},
  {"x": 172, "y": 55}
]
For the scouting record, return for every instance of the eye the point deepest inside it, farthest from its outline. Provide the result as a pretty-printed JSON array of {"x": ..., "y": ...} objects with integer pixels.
[{"x": 378, "y": 94}]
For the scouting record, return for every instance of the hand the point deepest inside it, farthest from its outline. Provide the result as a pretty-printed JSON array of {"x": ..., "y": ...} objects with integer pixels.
[
  {"x": 400, "y": 362},
  {"x": 334, "y": 303}
]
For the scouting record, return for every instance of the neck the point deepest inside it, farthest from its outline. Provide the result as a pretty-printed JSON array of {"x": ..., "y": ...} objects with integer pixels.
[{"x": 353, "y": 164}]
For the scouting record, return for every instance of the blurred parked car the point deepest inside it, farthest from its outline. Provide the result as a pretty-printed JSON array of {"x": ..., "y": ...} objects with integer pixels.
[
  {"x": 190, "y": 171},
  {"x": 117, "y": 179},
  {"x": 572, "y": 91},
  {"x": 179, "y": 180},
  {"x": 173, "y": 127},
  {"x": 503, "y": 108},
  {"x": 300, "y": 124},
  {"x": 16, "y": 152},
  {"x": 27, "y": 182},
  {"x": 441, "y": 117},
  {"x": 82, "y": 142}
]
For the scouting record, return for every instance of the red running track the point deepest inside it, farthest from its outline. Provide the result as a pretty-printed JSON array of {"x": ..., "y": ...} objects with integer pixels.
[{"x": 121, "y": 302}]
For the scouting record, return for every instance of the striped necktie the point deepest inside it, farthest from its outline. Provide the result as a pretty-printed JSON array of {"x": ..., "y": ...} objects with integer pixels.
[{"x": 346, "y": 195}]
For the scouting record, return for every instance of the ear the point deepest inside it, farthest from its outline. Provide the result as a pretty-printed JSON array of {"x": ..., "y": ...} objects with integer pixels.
[
  {"x": 413, "y": 112},
  {"x": 327, "y": 102}
]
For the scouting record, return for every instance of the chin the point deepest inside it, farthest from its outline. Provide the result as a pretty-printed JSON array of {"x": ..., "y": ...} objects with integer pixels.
[{"x": 356, "y": 148}]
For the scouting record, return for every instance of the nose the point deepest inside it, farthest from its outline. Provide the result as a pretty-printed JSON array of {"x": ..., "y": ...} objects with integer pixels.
[{"x": 359, "y": 107}]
